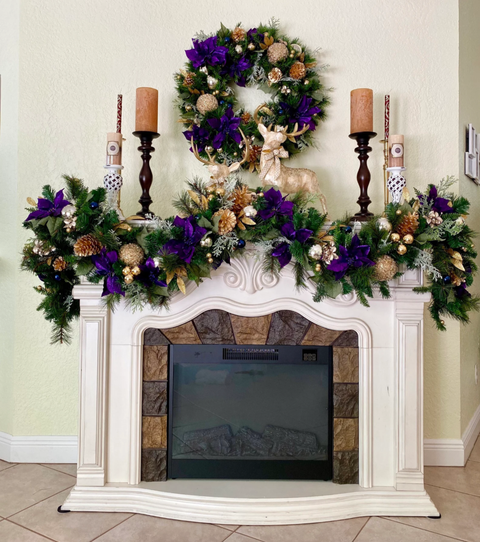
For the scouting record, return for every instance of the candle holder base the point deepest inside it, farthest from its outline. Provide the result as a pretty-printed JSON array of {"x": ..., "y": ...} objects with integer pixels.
[
  {"x": 146, "y": 175},
  {"x": 363, "y": 174}
]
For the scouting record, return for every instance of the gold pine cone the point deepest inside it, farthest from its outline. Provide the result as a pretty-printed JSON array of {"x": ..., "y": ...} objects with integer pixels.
[
  {"x": 277, "y": 52},
  {"x": 408, "y": 225},
  {"x": 227, "y": 222},
  {"x": 207, "y": 103},
  {"x": 238, "y": 34},
  {"x": 274, "y": 76},
  {"x": 189, "y": 79},
  {"x": 298, "y": 70},
  {"x": 246, "y": 117},
  {"x": 241, "y": 198},
  {"x": 87, "y": 245},
  {"x": 131, "y": 254},
  {"x": 386, "y": 268},
  {"x": 59, "y": 264}
]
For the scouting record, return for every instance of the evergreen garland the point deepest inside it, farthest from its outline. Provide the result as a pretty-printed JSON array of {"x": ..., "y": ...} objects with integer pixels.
[{"x": 336, "y": 258}]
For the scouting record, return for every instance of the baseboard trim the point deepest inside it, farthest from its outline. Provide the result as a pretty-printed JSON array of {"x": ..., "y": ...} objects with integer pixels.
[
  {"x": 452, "y": 452},
  {"x": 41, "y": 449}
]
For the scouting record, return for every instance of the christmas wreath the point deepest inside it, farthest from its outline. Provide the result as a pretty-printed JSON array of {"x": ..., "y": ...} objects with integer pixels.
[
  {"x": 261, "y": 57},
  {"x": 76, "y": 234}
]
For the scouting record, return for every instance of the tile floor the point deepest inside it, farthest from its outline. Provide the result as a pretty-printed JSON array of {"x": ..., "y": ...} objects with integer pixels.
[{"x": 30, "y": 495}]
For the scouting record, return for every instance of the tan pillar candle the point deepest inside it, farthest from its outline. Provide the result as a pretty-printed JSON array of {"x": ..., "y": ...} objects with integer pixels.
[
  {"x": 146, "y": 116},
  {"x": 361, "y": 110},
  {"x": 114, "y": 149},
  {"x": 396, "y": 155}
]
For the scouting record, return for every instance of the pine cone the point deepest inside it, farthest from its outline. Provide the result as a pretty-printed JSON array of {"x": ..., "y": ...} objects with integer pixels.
[
  {"x": 238, "y": 34},
  {"x": 274, "y": 76},
  {"x": 408, "y": 225},
  {"x": 189, "y": 79},
  {"x": 227, "y": 222},
  {"x": 131, "y": 254},
  {"x": 277, "y": 52},
  {"x": 298, "y": 70},
  {"x": 241, "y": 198},
  {"x": 207, "y": 103},
  {"x": 87, "y": 245},
  {"x": 59, "y": 264},
  {"x": 246, "y": 117}
]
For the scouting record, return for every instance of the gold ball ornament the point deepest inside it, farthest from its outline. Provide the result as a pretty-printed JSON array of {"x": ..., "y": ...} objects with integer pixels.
[
  {"x": 251, "y": 46},
  {"x": 220, "y": 191},
  {"x": 136, "y": 270},
  {"x": 207, "y": 103},
  {"x": 442, "y": 322},
  {"x": 318, "y": 267},
  {"x": 128, "y": 279},
  {"x": 395, "y": 237},
  {"x": 401, "y": 249},
  {"x": 131, "y": 254},
  {"x": 210, "y": 197},
  {"x": 408, "y": 239},
  {"x": 208, "y": 255},
  {"x": 385, "y": 268},
  {"x": 68, "y": 230},
  {"x": 126, "y": 271},
  {"x": 399, "y": 211},
  {"x": 210, "y": 260},
  {"x": 277, "y": 52},
  {"x": 260, "y": 194}
]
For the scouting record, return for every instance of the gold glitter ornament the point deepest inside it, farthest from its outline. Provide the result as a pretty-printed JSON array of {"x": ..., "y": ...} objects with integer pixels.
[
  {"x": 277, "y": 52},
  {"x": 87, "y": 245},
  {"x": 298, "y": 70},
  {"x": 395, "y": 237},
  {"x": 274, "y": 76},
  {"x": 131, "y": 254},
  {"x": 227, "y": 221},
  {"x": 408, "y": 239},
  {"x": 207, "y": 103},
  {"x": 401, "y": 249},
  {"x": 385, "y": 268},
  {"x": 238, "y": 34}
]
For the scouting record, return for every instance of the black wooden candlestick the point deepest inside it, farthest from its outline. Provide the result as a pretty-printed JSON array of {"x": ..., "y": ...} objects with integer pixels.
[
  {"x": 363, "y": 175},
  {"x": 146, "y": 175}
]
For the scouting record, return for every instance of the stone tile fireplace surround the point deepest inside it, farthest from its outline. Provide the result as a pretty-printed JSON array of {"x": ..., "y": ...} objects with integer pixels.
[
  {"x": 114, "y": 369},
  {"x": 219, "y": 327}
]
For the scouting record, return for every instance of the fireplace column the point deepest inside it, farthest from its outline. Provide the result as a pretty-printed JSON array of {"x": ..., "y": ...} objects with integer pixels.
[{"x": 93, "y": 366}]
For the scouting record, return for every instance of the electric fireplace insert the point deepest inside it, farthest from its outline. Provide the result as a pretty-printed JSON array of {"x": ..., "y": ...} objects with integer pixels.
[{"x": 250, "y": 412}]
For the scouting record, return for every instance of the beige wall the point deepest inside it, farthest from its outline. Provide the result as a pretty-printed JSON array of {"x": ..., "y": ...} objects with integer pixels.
[
  {"x": 76, "y": 56},
  {"x": 469, "y": 112}
]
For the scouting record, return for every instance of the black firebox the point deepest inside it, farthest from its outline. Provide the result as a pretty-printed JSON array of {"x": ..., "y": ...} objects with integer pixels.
[{"x": 250, "y": 412}]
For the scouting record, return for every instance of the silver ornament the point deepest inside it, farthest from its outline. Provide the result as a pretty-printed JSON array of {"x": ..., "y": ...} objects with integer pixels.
[
  {"x": 249, "y": 211},
  {"x": 238, "y": 49},
  {"x": 206, "y": 242},
  {"x": 68, "y": 211},
  {"x": 251, "y": 46},
  {"x": 460, "y": 221},
  {"x": 211, "y": 82},
  {"x": 315, "y": 252},
  {"x": 384, "y": 224},
  {"x": 157, "y": 261},
  {"x": 203, "y": 69}
]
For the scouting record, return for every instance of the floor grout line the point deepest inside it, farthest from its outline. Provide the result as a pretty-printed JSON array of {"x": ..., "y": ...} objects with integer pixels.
[
  {"x": 32, "y": 531},
  {"x": 454, "y": 490},
  {"x": 114, "y": 527},
  {"x": 56, "y": 470},
  {"x": 35, "y": 504},
  {"x": 9, "y": 467},
  {"x": 364, "y": 525},
  {"x": 393, "y": 520},
  {"x": 242, "y": 534}
]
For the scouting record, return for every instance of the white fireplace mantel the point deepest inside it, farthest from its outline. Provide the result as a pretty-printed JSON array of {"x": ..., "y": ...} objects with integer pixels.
[{"x": 391, "y": 480}]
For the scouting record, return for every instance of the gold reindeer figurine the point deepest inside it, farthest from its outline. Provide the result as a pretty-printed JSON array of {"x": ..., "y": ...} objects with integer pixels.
[{"x": 273, "y": 172}]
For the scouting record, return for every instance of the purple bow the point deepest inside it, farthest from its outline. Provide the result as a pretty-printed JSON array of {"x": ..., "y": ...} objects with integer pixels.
[
  {"x": 353, "y": 256},
  {"x": 225, "y": 126},
  {"x": 104, "y": 264},
  {"x": 207, "y": 52},
  {"x": 235, "y": 69},
  {"x": 200, "y": 137},
  {"x": 282, "y": 252},
  {"x": 302, "y": 113},
  {"x": 49, "y": 208},
  {"x": 149, "y": 274},
  {"x": 192, "y": 233},
  {"x": 440, "y": 205},
  {"x": 275, "y": 205}
]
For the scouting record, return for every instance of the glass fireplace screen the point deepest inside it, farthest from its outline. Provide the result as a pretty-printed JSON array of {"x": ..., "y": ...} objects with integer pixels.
[{"x": 251, "y": 412}]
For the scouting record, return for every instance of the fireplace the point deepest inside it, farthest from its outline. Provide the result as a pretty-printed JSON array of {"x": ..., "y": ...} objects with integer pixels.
[
  {"x": 250, "y": 412},
  {"x": 378, "y": 429}
]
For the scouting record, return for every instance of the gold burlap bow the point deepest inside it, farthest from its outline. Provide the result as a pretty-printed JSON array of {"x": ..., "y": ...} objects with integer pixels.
[{"x": 272, "y": 160}]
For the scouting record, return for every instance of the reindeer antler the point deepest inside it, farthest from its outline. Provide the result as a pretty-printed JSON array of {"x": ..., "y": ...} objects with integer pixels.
[
  {"x": 211, "y": 161},
  {"x": 296, "y": 132},
  {"x": 255, "y": 116},
  {"x": 247, "y": 148}
]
